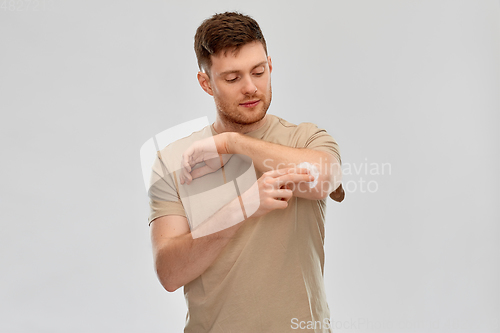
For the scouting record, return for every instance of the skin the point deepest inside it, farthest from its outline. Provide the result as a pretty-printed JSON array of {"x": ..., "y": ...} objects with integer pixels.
[{"x": 234, "y": 79}]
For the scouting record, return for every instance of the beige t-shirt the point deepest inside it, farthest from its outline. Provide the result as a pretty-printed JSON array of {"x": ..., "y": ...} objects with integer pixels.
[{"x": 269, "y": 277}]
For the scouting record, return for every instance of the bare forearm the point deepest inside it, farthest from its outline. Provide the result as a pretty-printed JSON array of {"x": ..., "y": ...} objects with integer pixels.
[
  {"x": 268, "y": 156},
  {"x": 183, "y": 258}
]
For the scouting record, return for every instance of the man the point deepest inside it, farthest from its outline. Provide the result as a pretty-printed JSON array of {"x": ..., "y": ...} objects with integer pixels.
[{"x": 260, "y": 270}]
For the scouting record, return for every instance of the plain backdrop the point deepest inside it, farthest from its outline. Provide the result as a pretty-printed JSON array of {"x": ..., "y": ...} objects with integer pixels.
[{"x": 409, "y": 89}]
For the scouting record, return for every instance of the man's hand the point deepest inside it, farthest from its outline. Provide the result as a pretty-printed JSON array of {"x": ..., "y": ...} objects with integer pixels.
[
  {"x": 211, "y": 151},
  {"x": 273, "y": 190}
]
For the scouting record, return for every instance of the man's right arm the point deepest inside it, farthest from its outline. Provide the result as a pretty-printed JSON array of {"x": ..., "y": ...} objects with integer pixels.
[{"x": 180, "y": 258}]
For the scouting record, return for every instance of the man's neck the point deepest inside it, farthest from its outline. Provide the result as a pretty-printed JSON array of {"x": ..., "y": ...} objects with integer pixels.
[{"x": 220, "y": 126}]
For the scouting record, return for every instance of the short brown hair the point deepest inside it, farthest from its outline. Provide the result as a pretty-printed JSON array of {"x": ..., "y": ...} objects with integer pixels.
[{"x": 223, "y": 32}]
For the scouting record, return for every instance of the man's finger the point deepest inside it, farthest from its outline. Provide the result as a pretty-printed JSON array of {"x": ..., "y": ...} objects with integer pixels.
[
  {"x": 202, "y": 171},
  {"x": 284, "y": 171},
  {"x": 279, "y": 204},
  {"x": 185, "y": 176},
  {"x": 185, "y": 163},
  {"x": 299, "y": 170},
  {"x": 293, "y": 178},
  {"x": 284, "y": 194}
]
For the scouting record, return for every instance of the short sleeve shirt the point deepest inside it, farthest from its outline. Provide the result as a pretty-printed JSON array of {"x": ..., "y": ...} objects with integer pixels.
[{"x": 270, "y": 275}]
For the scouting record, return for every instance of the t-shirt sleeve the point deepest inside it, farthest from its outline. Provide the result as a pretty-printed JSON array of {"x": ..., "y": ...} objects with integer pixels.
[
  {"x": 163, "y": 195},
  {"x": 308, "y": 135}
]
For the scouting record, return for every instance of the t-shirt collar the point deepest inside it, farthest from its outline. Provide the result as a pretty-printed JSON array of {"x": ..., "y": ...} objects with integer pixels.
[{"x": 258, "y": 133}]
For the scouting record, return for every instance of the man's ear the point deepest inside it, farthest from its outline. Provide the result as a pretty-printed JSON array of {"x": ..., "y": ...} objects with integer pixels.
[
  {"x": 204, "y": 81},
  {"x": 270, "y": 64}
]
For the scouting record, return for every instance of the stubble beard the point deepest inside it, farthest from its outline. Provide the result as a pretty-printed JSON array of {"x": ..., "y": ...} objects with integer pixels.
[{"x": 229, "y": 114}]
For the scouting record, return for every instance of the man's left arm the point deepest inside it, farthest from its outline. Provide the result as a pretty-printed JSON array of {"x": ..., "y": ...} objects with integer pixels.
[{"x": 268, "y": 156}]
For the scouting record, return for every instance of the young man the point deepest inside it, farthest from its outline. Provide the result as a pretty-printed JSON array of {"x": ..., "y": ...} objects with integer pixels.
[{"x": 260, "y": 271}]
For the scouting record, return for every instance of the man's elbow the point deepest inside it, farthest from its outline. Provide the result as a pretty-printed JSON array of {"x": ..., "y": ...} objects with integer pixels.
[
  {"x": 165, "y": 276},
  {"x": 170, "y": 288},
  {"x": 322, "y": 190},
  {"x": 327, "y": 183},
  {"x": 166, "y": 280}
]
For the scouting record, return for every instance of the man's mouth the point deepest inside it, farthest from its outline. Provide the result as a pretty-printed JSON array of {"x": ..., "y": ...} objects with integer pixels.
[{"x": 250, "y": 104}]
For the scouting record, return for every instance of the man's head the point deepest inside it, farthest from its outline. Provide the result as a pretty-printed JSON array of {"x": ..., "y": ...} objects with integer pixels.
[
  {"x": 234, "y": 67},
  {"x": 222, "y": 33}
]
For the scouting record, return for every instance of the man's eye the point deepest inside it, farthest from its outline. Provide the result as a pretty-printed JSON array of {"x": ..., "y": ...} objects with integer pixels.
[
  {"x": 258, "y": 74},
  {"x": 232, "y": 79}
]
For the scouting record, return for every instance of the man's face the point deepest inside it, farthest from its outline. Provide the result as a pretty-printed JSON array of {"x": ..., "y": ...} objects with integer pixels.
[{"x": 241, "y": 84}]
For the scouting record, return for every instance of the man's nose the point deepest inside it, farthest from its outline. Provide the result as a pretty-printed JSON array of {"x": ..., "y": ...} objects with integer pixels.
[{"x": 249, "y": 87}]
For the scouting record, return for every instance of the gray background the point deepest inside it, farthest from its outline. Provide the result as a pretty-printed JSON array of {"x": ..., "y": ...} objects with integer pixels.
[{"x": 415, "y": 84}]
